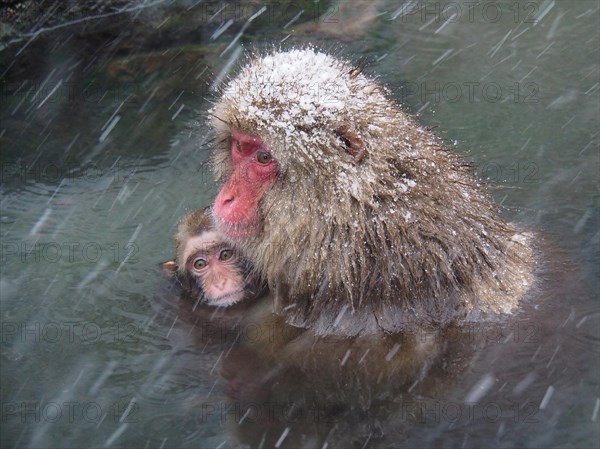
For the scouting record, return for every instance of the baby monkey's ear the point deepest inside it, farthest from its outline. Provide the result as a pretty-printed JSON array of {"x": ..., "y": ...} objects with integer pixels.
[{"x": 169, "y": 267}]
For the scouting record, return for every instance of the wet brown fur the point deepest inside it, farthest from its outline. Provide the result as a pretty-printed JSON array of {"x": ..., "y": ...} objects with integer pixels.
[{"x": 394, "y": 233}]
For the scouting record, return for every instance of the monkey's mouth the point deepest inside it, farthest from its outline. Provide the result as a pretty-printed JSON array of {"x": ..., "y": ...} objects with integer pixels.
[
  {"x": 239, "y": 230},
  {"x": 227, "y": 299}
]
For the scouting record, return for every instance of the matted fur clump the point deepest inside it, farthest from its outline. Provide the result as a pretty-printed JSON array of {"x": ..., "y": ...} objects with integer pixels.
[{"x": 371, "y": 224}]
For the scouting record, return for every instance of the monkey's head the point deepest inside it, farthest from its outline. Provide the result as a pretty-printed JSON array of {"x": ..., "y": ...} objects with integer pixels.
[
  {"x": 303, "y": 152},
  {"x": 356, "y": 215},
  {"x": 207, "y": 266},
  {"x": 289, "y": 118}
]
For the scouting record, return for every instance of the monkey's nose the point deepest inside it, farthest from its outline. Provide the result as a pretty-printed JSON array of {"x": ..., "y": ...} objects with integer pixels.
[
  {"x": 222, "y": 283},
  {"x": 224, "y": 199},
  {"x": 227, "y": 199},
  {"x": 227, "y": 203}
]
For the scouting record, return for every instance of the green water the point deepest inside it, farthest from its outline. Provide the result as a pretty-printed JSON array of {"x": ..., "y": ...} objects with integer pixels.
[{"x": 103, "y": 150}]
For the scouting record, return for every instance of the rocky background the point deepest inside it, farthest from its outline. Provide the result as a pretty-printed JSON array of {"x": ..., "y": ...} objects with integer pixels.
[{"x": 23, "y": 17}]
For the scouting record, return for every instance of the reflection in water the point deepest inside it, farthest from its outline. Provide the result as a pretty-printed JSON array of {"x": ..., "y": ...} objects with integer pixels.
[
  {"x": 285, "y": 387},
  {"x": 104, "y": 150},
  {"x": 284, "y": 384}
]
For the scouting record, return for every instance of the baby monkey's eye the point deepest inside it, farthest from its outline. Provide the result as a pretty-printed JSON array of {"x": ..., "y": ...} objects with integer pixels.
[
  {"x": 200, "y": 263},
  {"x": 226, "y": 254}
]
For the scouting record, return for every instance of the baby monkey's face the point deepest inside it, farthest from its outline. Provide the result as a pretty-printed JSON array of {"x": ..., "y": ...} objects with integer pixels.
[
  {"x": 209, "y": 268},
  {"x": 216, "y": 267}
]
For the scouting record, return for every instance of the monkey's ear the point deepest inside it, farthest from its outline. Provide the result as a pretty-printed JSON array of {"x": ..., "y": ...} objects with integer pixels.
[
  {"x": 355, "y": 146},
  {"x": 169, "y": 267}
]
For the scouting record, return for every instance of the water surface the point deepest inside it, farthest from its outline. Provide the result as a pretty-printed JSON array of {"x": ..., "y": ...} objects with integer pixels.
[{"x": 104, "y": 149}]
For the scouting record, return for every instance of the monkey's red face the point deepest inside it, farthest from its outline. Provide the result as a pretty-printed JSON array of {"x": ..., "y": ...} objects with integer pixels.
[{"x": 254, "y": 171}]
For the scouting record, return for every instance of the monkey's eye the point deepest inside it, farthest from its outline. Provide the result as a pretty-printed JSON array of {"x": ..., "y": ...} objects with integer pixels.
[
  {"x": 226, "y": 254},
  {"x": 200, "y": 263},
  {"x": 263, "y": 157}
]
